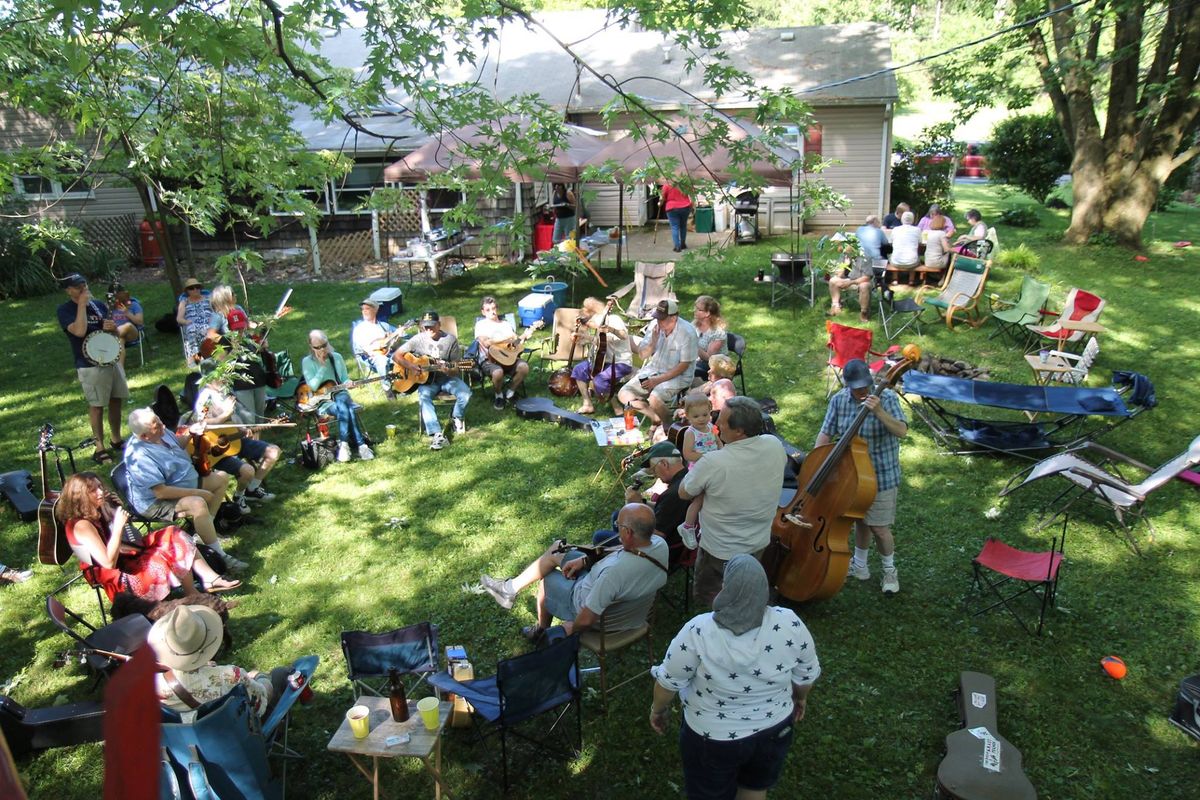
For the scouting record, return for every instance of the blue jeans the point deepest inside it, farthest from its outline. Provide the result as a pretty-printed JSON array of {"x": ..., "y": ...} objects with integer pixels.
[
  {"x": 427, "y": 391},
  {"x": 563, "y": 227},
  {"x": 678, "y": 218},
  {"x": 349, "y": 430}
]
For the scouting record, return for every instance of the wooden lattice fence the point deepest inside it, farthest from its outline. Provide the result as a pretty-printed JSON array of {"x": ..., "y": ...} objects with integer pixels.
[
  {"x": 117, "y": 235},
  {"x": 346, "y": 249}
]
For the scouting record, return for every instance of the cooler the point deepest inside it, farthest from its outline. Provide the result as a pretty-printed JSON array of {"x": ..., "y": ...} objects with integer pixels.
[
  {"x": 533, "y": 307},
  {"x": 391, "y": 301}
]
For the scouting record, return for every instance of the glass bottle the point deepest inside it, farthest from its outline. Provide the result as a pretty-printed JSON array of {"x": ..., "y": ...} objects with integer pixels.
[{"x": 397, "y": 696}]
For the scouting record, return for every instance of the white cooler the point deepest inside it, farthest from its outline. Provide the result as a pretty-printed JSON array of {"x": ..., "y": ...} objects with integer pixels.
[
  {"x": 533, "y": 307},
  {"x": 391, "y": 301}
]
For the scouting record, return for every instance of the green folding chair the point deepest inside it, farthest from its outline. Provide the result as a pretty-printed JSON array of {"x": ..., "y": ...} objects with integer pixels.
[{"x": 1012, "y": 316}]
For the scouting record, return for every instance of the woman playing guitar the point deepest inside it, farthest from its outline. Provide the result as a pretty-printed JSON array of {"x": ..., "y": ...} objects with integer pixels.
[
  {"x": 613, "y": 360},
  {"x": 323, "y": 364}
]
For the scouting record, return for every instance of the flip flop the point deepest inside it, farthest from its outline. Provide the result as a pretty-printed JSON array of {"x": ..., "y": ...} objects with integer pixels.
[
  {"x": 221, "y": 584},
  {"x": 102, "y": 457}
]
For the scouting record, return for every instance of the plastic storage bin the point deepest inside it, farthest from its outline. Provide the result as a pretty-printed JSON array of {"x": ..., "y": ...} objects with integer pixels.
[
  {"x": 535, "y": 306},
  {"x": 556, "y": 289},
  {"x": 705, "y": 219}
]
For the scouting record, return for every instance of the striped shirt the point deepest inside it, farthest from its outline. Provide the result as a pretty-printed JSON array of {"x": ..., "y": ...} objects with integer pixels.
[{"x": 883, "y": 447}]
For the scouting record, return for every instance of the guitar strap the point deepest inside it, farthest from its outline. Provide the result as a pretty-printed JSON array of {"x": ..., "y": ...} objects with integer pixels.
[
  {"x": 180, "y": 692},
  {"x": 650, "y": 558}
]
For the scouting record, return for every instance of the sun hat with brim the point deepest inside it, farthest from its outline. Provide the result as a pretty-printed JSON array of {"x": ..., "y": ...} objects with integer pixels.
[
  {"x": 187, "y": 638},
  {"x": 190, "y": 282}
]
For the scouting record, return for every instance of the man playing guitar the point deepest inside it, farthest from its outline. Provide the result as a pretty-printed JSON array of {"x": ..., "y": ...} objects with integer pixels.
[
  {"x": 372, "y": 341},
  {"x": 216, "y": 404},
  {"x": 103, "y": 384},
  {"x": 435, "y": 343},
  {"x": 491, "y": 331}
]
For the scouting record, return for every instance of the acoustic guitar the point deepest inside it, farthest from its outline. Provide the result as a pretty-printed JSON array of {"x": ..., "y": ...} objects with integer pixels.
[
  {"x": 219, "y": 441},
  {"x": 53, "y": 547},
  {"x": 412, "y": 370},
  {"x": 506, "y": 353}
]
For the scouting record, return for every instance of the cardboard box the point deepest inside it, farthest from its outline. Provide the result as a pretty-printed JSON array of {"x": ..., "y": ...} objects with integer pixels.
[{"x": 461, "y": 670}]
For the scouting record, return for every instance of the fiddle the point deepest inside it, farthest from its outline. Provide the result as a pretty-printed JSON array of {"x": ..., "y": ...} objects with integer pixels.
[
  {"x": 561, "y": 384},
  {"x": 809, "y": 553}
]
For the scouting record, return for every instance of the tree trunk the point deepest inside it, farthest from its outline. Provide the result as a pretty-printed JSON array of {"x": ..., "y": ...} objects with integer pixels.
[
  {"x": 1088, "y": 187},
  {"x": 1127, "y": 212}
]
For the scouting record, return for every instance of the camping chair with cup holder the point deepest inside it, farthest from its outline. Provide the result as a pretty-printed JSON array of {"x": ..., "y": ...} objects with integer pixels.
[
  {"x": 372, "y": 657},
  {"x": 523, "y": 689},
  {"x": 1099, "y": 478},
  {"x": 998, "y": 565}
]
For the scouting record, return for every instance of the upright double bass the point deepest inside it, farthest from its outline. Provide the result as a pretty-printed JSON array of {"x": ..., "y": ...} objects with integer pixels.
[{"x": 810, "y": 537}]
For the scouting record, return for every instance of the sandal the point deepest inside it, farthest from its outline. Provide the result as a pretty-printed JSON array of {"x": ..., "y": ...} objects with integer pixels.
[
  {"x": 221, "y": 584},
  {"x": 117, "y": 445},
  {"x": 102, "y": 456}
]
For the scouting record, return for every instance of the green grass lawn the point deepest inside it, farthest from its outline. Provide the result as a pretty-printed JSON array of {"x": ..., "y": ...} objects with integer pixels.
[{"x": 381, "y": 544}]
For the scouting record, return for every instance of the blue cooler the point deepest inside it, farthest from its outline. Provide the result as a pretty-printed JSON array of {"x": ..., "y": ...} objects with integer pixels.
[
  {"x": 391, "y": 301},
  {"x": 533, "y": 307}
]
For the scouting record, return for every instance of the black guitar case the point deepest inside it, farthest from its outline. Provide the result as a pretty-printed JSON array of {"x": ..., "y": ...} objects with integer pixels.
[
  {"x": 543, "y": 408},
  {"x": 17, "y": 486},
  {"x": 30, "y": 729}
]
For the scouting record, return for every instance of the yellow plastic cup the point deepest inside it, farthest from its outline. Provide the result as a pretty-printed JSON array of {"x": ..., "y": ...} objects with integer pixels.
[
  {"x": 428, "y": 707},
  {"x": 359, "y": 718},
  {"x": 391, "y": 431}
]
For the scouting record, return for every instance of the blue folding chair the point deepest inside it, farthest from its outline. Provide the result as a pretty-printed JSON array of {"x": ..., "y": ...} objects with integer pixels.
[
  {"x": 523, "y": 688},
  {"x": 371, "y": 657}
]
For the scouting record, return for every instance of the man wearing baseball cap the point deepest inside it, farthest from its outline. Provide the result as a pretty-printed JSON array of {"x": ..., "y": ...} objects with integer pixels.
[
  {"x": 439, "y": 345},
  {"x": 669, "y": 350},
  {"x": 883, "y": 430},
  {"x": 371, "y": 341},
  {"x": 103, "y": 384}
]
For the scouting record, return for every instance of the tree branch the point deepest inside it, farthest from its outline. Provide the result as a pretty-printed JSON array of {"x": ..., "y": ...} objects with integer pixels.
[{"x": 1052, "y": 84}]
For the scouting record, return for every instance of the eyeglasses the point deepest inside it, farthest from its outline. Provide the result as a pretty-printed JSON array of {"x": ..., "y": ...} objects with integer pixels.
[
  {"x": 192, "y": 288},
  {"x": 321, "y": 346}
]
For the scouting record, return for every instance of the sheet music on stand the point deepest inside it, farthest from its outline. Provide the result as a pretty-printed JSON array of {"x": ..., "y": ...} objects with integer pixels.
[{"x": 612, "y": 432}]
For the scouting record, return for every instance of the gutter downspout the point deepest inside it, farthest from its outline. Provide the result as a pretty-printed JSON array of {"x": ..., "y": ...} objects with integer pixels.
[
  {"x": 518, "y": 210},
  {"x": 885, "y": 162}
]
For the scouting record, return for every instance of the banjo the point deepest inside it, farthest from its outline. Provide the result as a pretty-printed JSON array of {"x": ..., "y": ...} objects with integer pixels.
[{"x": 102, "y": 348}]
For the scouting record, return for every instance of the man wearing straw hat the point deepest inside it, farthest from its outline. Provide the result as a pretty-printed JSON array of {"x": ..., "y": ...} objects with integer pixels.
[{"x": 186, "y": 640}]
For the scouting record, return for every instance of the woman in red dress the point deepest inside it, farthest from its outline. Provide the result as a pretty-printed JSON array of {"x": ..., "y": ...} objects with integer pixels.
[{"x": 166, "y": 559}]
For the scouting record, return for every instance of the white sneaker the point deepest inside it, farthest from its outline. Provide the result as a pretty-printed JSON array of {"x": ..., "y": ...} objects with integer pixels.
[
  {"x": 863, "y": 572},
  {"x": 365, "y": 453},
  {"x": 343, "y": 453},
  {"x": 460, "y": 426},
  {"x": 891, "y": 581},
  {"x": 241, "y": 503},
  {"x": 688, "y": 534},
  {"x": 510, "y": 393},
  {"x": 437, "y": 442},
  {"x": 234, "y": 564}
]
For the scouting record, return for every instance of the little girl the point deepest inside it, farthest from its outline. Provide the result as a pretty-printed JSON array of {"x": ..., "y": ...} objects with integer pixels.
[{"x": 698, "y": 439}]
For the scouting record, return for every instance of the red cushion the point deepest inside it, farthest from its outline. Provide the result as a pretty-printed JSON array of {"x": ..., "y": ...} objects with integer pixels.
[{"x": 1085, "y": 303}]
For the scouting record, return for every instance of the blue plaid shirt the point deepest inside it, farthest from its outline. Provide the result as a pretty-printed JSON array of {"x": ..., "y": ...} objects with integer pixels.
[{"x": 883, "y": 447}]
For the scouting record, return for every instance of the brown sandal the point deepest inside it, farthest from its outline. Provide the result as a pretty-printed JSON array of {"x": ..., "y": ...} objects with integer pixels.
[{"x": 221, "y": 584}]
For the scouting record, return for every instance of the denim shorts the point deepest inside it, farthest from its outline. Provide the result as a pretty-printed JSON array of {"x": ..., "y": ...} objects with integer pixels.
[
  {"x": 714, "y": 769},
  {"x": 252, "y": 449},
  {"x": 560, "y": 590}
]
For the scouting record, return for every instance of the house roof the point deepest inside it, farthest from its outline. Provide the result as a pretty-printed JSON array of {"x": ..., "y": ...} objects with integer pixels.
[{"x": 812, "y": 61}]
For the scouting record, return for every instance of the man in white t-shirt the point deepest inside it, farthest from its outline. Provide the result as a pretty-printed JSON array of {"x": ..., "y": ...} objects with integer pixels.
[
  {"x": 620, "y": 587},
  {"x": 741, "y": 484},
  {"x": 371, "y": 343},
  {"x": 669, "y": 350},
  {"x": 492, "y": 330}
]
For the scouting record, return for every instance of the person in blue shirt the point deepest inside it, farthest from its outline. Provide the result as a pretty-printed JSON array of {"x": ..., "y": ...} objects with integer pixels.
[{"x": 103, "y": 385}]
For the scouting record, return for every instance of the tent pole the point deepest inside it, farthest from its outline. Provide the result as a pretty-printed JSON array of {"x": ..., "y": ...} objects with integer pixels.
[{"x": 620, "y": 221}]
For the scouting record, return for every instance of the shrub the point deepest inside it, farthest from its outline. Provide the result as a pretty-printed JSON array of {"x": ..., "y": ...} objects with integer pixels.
[
  {"x": 1019, "y": 217},
  {"x": 922, "y": 173},
  {"x": 1020, "y": 257},
  {"x": 22, "y": 272},
  {"x": 1028, "y": 152}
]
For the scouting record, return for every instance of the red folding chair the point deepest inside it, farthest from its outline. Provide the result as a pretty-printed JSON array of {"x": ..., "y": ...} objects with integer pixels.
[
  {"x": 999, "y": 564},
  {"x": 847, "y": 343},
  {"x": 1080, "y": 306}
]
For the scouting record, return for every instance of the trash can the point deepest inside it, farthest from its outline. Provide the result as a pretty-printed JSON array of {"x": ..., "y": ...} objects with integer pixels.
[
  {"x": 705, "y": 219},
  {"x": 543, "y": 236},
  {"x": 552, "y": 287}
]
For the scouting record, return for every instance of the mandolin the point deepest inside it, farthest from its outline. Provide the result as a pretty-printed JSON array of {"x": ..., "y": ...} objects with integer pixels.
[
  {"x": 506, "y": 353},
  {"x": 809, "y": 553},
  {"x": 411, "y": 370}
]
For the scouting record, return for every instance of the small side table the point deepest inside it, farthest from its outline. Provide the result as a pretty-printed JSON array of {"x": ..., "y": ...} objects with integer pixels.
[{"x": 423, "y": 745}]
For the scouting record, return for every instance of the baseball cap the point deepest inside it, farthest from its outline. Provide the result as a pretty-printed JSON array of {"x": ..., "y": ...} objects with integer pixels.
[
  {"x": 856, "y": 374},
  {"x": 74, "y": 279},
  {"x": 370, "y": 302},
  {"x": 429, "y": 319},
  {"x": 661, "y": 450},
  {"x": 666, "y": 308}
]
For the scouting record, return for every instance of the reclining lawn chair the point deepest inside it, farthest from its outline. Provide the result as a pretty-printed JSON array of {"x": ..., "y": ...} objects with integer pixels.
[
  {"x": 1066, "y": 416},
  {"x": 958, "y": 295},
  {"x": 1011, "y": 316},
  {"x": 1101, "y": 480},
  {"x": 103, "y": 648},
  {"x": 1080, "y": 306},
  {"x": 651, "y": 283}
]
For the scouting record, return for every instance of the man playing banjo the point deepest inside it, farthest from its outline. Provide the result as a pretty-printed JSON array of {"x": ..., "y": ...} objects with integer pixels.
[{"x": 97, "y": 350}]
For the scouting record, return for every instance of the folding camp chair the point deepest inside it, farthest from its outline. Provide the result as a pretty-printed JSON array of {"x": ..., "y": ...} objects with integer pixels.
[
  {"x": 999, "y": 564},
  {"x": 606, "y": 644},
  {"x": 845, "y": 344},
  {"x": 562, "y": 346},
  {"x": 120, "y": 637},
  {"x": 1066, "y": 416},
  {"x": 371, "y": 657},
  {"x": 892, "y": 308},
  {"x": 1011, "y": 316},
  {"x": 736, "y": 345},
  {"x": 285, "y": 394},
  {"x": 523, "y": 688},
  {"x": 1101, "y": 480},
  {"x": 1080, "y": 306},
  {"x": 222, "y": 753},
  {"x": 1063, "y": 367},
  {"x": 958, "y": 295},
  {"x": 651, "y": 283}
]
